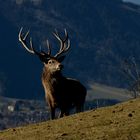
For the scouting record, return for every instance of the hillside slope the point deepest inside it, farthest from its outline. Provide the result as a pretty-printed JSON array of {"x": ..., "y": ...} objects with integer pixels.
[{"x": 119, "y": 122}]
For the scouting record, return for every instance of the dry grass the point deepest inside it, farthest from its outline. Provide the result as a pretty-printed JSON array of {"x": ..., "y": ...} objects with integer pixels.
[{"x": 119, "y": 122}]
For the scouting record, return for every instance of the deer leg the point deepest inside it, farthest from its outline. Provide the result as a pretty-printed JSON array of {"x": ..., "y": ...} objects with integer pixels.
[
  {"x": 66, "y": 113},
  {"x": 52, "y": 110},
  {"x": 51, "y": 107},
  {"x": 79, "y": 108},
  {"x": 63, "y": 113}
]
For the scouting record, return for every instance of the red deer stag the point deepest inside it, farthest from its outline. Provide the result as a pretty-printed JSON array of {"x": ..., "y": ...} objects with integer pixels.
[{"x": 60, "y": 92}]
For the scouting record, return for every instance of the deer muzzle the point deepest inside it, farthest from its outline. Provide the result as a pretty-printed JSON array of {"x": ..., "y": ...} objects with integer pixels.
[{"x": 59, "y": 67}]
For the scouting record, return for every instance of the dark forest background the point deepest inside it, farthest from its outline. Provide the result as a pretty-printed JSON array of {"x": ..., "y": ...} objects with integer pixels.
[{"x": 102, "y": 32}]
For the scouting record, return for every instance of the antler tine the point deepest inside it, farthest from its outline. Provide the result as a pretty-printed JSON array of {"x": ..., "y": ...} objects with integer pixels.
[
  {"x": 66, "y": 39},
  {"x": 22, "y": 39},
  {"x": 49, "y": 47},
  {"x": 64, "y": 43},
  {"x": 66, "y": 34},
  {"x": 26, "y": 35},
  {"x": 59, "y": 38},
  {"x": 68, "y": 46},
  {"x": 31, "y": 43},
  {"x": 20, "y": 31}
]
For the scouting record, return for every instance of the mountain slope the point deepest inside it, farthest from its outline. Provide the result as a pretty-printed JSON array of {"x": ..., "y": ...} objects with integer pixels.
[
  {"x": 102, "y": 33},
  {"x": 119, "y": 122}
]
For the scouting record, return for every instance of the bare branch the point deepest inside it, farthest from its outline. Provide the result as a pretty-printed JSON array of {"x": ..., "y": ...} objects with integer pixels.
[{"x": 130, "y": 70}]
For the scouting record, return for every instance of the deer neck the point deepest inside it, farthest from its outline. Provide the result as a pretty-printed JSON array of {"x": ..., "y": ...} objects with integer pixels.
[{"x": 51, "y": 78}]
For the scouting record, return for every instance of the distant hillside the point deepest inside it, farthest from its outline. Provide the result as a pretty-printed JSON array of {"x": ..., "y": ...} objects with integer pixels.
[
  {"x": 119, "y": 122},
  {"x": 102, "y": 33},
  {"x": 99, "y": 91}
]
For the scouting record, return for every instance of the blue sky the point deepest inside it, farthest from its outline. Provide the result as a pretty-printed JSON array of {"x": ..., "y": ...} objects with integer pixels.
[{"x": 134, "y": 1}]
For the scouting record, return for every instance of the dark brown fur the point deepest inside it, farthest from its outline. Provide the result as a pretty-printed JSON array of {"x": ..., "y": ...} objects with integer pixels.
[{"x": 61, "y": 92}]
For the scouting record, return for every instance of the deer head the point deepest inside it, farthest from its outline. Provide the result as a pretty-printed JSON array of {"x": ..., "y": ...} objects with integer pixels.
[{"x": 52, "y": 63}]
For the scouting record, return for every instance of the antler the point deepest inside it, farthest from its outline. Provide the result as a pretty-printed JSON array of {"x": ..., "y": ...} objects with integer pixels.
[
  {"x": 64, "y": 43},
  {"x": 30, "y": 49},
  {"x": 22, "y": 39}
]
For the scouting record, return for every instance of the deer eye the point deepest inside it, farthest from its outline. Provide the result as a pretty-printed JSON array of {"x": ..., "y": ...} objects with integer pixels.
[{"x": 51, "y": 62}]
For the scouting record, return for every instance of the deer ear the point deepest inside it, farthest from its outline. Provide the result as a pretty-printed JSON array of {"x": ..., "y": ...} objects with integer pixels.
[
  {"x": 44, "y": 57},
  {"x": 61, "y": 58},
  {"x": 44, "y": 60}
]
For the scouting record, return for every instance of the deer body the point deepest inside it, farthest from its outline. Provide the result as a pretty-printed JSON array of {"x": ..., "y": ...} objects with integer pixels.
[
  {"x": 63, "y": 93},
  {"x": 60, "y": 92}
]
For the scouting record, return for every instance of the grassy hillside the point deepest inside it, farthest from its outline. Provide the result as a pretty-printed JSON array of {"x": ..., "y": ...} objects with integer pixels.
[{"x": 119, "y": 122}]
